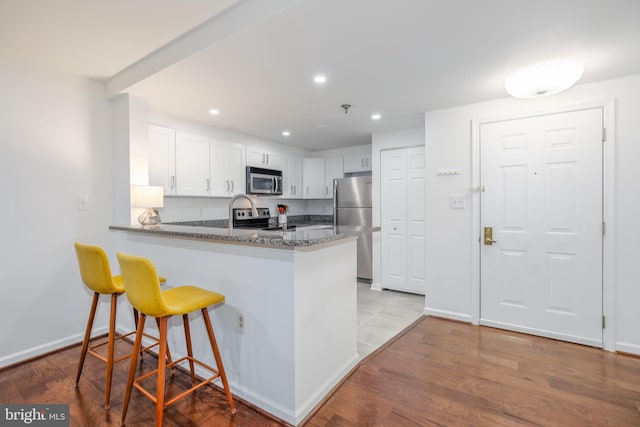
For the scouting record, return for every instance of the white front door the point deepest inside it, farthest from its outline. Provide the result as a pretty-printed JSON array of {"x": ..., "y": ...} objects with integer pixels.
[
  {"x": 402, "y": 219},
  {"x": 542, "y": 179}
]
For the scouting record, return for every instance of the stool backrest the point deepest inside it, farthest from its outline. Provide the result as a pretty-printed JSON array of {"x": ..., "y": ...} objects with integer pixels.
[
  {"x": 94, "y": 269},
  {"x": 141, "y": 284}
]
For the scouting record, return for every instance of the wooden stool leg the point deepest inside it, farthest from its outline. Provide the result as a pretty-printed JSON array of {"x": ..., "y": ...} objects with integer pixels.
[
  {"x": 216, "y": 354},
  {"x": 132, "y": 366},
  {"x": 111, "y": 348},
  {"x": 162, "y": 360},
  {"x": 169, "y": 360},
  {"x": 87, "y": 335},
  {"x": 187, "y": 336}
]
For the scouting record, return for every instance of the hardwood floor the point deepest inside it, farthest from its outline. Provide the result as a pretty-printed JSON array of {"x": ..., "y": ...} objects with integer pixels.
[{"x": 439, "y": 373}]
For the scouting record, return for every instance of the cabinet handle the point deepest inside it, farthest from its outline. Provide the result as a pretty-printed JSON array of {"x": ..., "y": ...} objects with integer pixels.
[
  {"x": 326, "y": 190},
  {"x": 232, "y": 186},
  {"x": 208, "y": 184},
  {"x": 264, "y": 156},
  {"x": 172, "y": 181},
  {"x": 307, "y": 190},
  {"x": 226, "y": 186},
  {"x": 267, "y": 155},
  {"x": 362, "y": 162}
]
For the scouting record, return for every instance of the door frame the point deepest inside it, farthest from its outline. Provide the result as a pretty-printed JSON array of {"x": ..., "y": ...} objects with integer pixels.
[{"x": 608, "y": 209}]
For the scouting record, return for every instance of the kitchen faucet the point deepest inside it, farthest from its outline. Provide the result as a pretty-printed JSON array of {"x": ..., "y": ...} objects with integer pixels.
[{"x": 254, "y": 211}]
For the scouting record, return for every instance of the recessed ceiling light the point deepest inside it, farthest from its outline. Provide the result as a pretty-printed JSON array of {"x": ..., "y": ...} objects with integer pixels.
[
  {"x": 543, "y": 78},
  {"x": 320, "y": 79},
  {"x": 376, "y": 116},
  {"x": 286, "y": 133},
  {"x": 214, "y": 112}
]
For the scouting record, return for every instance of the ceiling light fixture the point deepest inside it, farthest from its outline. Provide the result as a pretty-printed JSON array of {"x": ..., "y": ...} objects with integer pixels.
[
  {"x": 543, "y": 78},
  {"x": 320, "y": 79},
  {"x": 214, "y": 112},
  {"x": 376, "y": 116},
  {"x": 286, "y": 133}
]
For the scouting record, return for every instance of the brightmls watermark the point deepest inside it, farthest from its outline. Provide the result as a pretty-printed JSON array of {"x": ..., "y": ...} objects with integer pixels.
[{"x": 35, "y": 415}]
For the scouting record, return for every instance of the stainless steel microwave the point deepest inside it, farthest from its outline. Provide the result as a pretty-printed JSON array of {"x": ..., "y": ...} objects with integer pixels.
[{"x": 264, "y": 181}]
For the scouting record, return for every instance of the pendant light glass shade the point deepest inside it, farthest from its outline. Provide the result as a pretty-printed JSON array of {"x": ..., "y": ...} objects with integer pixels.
[{"x": 543, "y": 78}]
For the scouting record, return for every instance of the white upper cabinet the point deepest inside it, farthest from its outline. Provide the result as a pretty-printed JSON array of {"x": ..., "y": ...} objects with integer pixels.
[
  {"x": 162, "y": 158},
  {"x": 192, "y": 165},
  {"x": 265, "y": 159},
  {"x": 361, "y": 163},
  {"x": 227, "y": 168},
  {"x": 292, "y": 178},
  {"x": 313, "y": 178},
  {"x": 333, "y": 170}
]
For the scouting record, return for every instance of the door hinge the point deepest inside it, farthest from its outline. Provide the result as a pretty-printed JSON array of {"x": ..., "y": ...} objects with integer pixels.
[
  {"x": 604, "y": 134},
  {"x": 603, "y": 322}
]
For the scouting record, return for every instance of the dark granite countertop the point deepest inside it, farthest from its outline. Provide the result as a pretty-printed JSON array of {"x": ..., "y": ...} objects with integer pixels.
[{"x": 303, "y": 237}]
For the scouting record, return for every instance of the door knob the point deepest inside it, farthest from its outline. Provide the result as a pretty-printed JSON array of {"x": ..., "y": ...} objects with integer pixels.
[{"x": 488, "y": 236}]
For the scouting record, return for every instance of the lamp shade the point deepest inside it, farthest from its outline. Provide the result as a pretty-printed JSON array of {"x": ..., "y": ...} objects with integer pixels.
[
  {"x": 148, "y": 196},
  {"x": 543, "y": 78}
]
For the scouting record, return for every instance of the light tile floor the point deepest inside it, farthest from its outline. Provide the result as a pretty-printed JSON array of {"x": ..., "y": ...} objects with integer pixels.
[{"x": 383, "y": 314}]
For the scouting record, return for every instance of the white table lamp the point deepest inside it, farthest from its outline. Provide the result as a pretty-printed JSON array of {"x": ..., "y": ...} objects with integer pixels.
[{"x": 150, "y": 198}]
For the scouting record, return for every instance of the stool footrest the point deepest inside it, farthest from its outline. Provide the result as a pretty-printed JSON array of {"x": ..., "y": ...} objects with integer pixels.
[
  {"x": 183, "y": 394},
  {"x": 91, "y": 350}
]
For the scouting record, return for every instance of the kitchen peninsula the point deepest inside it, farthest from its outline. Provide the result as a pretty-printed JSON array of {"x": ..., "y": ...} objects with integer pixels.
[{"x": 288, "y": 329}]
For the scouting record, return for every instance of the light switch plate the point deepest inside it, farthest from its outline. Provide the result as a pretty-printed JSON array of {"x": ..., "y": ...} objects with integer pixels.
[
  {"x": 82, "y": 203},
  {"x": 456, "y": 201}
]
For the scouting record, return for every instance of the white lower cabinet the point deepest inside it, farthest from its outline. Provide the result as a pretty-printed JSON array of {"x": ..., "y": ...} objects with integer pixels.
[
  {"x": 227, "y": 168},
  {"x": 192, "y": 165},
  {"x": 162, "y": 158}
]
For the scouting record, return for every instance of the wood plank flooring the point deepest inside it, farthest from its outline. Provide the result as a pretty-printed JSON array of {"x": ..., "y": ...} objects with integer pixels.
[{"x": 439, "y": 373}]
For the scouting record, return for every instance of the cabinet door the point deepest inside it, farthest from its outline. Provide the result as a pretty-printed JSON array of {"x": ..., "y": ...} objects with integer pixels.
[
  {"x": 333, "y": 170},
  {"x": 313, "y": 178},
  {"x": 292, "y": 178},
  {"x": 220, "y": 185},
  {"x": 236, "y": 168},
  {"x": 265, "y": 159},
  {"x": 192, "y": 165},
  {"x": 359, "y": 163},
  {"x": 162, "y": 158}
]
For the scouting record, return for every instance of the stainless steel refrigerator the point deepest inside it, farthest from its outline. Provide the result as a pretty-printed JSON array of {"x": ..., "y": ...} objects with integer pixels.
[{"x": 352, "y": 210}]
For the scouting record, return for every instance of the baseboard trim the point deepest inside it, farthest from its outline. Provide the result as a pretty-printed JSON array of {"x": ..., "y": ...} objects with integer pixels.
[
  {"x": 42, "y": 350},
  {"x": 627, "y": 348},
  {"x": 451, "y": 315}
]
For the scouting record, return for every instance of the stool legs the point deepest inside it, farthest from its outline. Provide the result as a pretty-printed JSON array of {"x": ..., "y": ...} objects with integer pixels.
[
  {"x": 110, "y": 347},
  {"x": 132, "y": 367},
  {"x": 162, "y": 361},
  {"x": 187, "y": 336},
  {"x": 216, "y": 354},
  {"x": 87, "y": 335}
]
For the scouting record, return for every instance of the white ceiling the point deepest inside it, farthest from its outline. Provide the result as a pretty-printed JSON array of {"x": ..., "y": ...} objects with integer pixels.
[{"x": 396, "y": 57}]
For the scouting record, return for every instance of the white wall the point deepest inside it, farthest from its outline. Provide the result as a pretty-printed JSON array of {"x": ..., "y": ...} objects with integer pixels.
[
  {"x": 386, "y": 141},
  {"x": 56, "y": 144},
  {"x": 448, "y": 146}
]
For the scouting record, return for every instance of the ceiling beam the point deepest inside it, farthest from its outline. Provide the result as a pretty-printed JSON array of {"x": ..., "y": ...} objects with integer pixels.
[{"x": 238, "y": 17}]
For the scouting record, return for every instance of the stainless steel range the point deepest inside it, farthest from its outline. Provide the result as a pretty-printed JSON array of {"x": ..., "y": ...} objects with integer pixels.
[{"x": 243, "y": 218}]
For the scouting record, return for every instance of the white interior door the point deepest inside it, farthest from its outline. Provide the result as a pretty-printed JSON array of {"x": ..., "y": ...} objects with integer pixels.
[
  {"x": 403, "y": 221},
  {"x": 542, "y": 178}
]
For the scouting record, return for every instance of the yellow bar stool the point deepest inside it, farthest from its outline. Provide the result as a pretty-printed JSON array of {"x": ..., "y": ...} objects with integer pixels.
[
  {"x": 143, "y": 291},
  {"x": 96, "y": 275}
]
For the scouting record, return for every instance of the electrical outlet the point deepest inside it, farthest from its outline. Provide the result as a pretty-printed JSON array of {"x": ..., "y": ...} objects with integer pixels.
[{"x": 240, "y": 322}]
